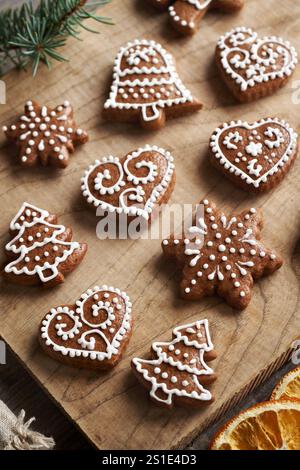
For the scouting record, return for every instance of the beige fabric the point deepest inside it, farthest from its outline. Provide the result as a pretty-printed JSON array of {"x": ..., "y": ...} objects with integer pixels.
[{"x": 15, "y": 433}]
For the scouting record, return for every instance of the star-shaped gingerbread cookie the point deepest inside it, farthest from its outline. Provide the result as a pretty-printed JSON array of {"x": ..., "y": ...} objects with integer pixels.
[
  {"x": 186, "y": 15},
  {"x": 45, "y": 134},
  {"x": 222, "y": 255}
]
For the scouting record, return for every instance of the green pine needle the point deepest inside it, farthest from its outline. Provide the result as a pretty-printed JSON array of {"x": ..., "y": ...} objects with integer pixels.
[{"x": 29, "y": 35}]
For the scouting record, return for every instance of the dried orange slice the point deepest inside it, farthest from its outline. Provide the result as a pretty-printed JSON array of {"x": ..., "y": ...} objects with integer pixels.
[
  {"x": 271, "y": 425},
  {"x": 288, "y": 387}
]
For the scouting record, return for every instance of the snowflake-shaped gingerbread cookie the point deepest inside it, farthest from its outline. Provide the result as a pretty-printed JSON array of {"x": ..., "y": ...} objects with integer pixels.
[
  {"x": 222, "y": 255},
  {"x": 45, "y": 134}
]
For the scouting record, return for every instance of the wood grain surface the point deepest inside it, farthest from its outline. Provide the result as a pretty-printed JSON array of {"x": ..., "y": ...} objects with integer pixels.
[{"x": 112, "y": 409}]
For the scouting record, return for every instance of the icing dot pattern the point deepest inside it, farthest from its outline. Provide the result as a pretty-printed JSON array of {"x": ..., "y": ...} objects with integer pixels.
[
  {"x": 227, "y": 264},
  {"x": 145, "y": 80},
  {"x": 132, "y": 185},
  {"x": 177, "y": 369},
  {"x": 249, "y": 60},
  {"x": 186, "y": 15},
  {"x": 92, "y": 330},
  {"x": 45, "y": 134},
  {"x": 41, "y": 247},
  {"x": 261, "y": 153}
]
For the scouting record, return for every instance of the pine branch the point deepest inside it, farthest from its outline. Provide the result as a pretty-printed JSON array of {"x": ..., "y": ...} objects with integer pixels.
[{"x": 34, "y": 35}]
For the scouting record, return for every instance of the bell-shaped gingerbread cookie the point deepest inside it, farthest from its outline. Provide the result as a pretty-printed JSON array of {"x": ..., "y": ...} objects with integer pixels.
[{"x": 146, "y": 87}]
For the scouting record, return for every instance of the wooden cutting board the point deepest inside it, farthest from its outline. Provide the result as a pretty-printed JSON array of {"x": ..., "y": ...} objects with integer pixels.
[{"x": 112, "y": 409}]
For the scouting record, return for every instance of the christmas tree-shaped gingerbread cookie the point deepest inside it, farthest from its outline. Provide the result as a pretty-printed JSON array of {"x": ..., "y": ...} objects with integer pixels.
[
  {"x": 177, "y": 372},
  {"x": 146, "y": 87},
  {"x": 41, "y": 251}
]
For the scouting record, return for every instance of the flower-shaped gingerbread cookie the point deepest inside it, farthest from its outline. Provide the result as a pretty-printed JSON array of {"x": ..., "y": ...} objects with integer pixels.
[
  {"x": 222, "y": 255},
  {"x": 254, "y": 67},
  {"x": 256, "y": 157},
  {"x": 91, "y": 334},
  {"x": 45, "y": 134}
]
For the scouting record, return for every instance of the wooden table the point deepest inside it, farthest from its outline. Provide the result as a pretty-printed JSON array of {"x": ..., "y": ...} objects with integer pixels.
[{"x": 246, "y": 342}]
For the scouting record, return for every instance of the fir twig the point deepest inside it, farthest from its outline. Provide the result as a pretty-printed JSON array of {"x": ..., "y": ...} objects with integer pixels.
[{"x": 29, "y": 34}]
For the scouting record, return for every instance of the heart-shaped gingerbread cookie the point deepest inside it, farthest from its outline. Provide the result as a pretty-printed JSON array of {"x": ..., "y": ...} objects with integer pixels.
[
  {"x": 254, "y": 67},
  {"x": 131, "y": 185},
  {"x": 254, "y": 156},
  {"x": 92, "y": 333}
]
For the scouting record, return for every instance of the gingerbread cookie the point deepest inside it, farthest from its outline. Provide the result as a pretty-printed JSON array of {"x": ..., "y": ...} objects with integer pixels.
[
  {"x": 222, "y": 255},
  {"x": 93, "y": 333},
  {"x": 41, "y": 251},
  {"x": 132, "y": 185},
  {"x": 45, "y": 135},
  {"x": 254, "y": 67},
  {"x": 186, "y": 15},
  {"x": 256, "y": 157},
  {"x": 146, "y": 87},
  {"x": 177, "y": 372},
  {"x": 160, "y": 4}
]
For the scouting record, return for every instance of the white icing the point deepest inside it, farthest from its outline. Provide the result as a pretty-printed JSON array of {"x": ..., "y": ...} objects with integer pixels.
[
  {"x": 194, "y": 370},
  {"x": 264, "y": 53},
  {"x": 43, "y": 269},
  {"x": 199, "y": 5},
  {"x": 87, "y": 343},
  {"x": 136, "y": 191},
  {"x": 253, "y": 168},
  {"x": 61, "y": 328},
  {"x": 37, "y": 130},
  {"x": 199, "y": 229},
  {"x": 146, "y": 52},
  {"x": 276, "y": 135},
  {"x": 105, "y": 175},
  {"x": 150, "y": 166},
  {"x": 230, "y": 257},
  {"x": 254, "y": 148},
  {"x": 231, "y": 139},
  {"x": 254, "y": 175}
]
